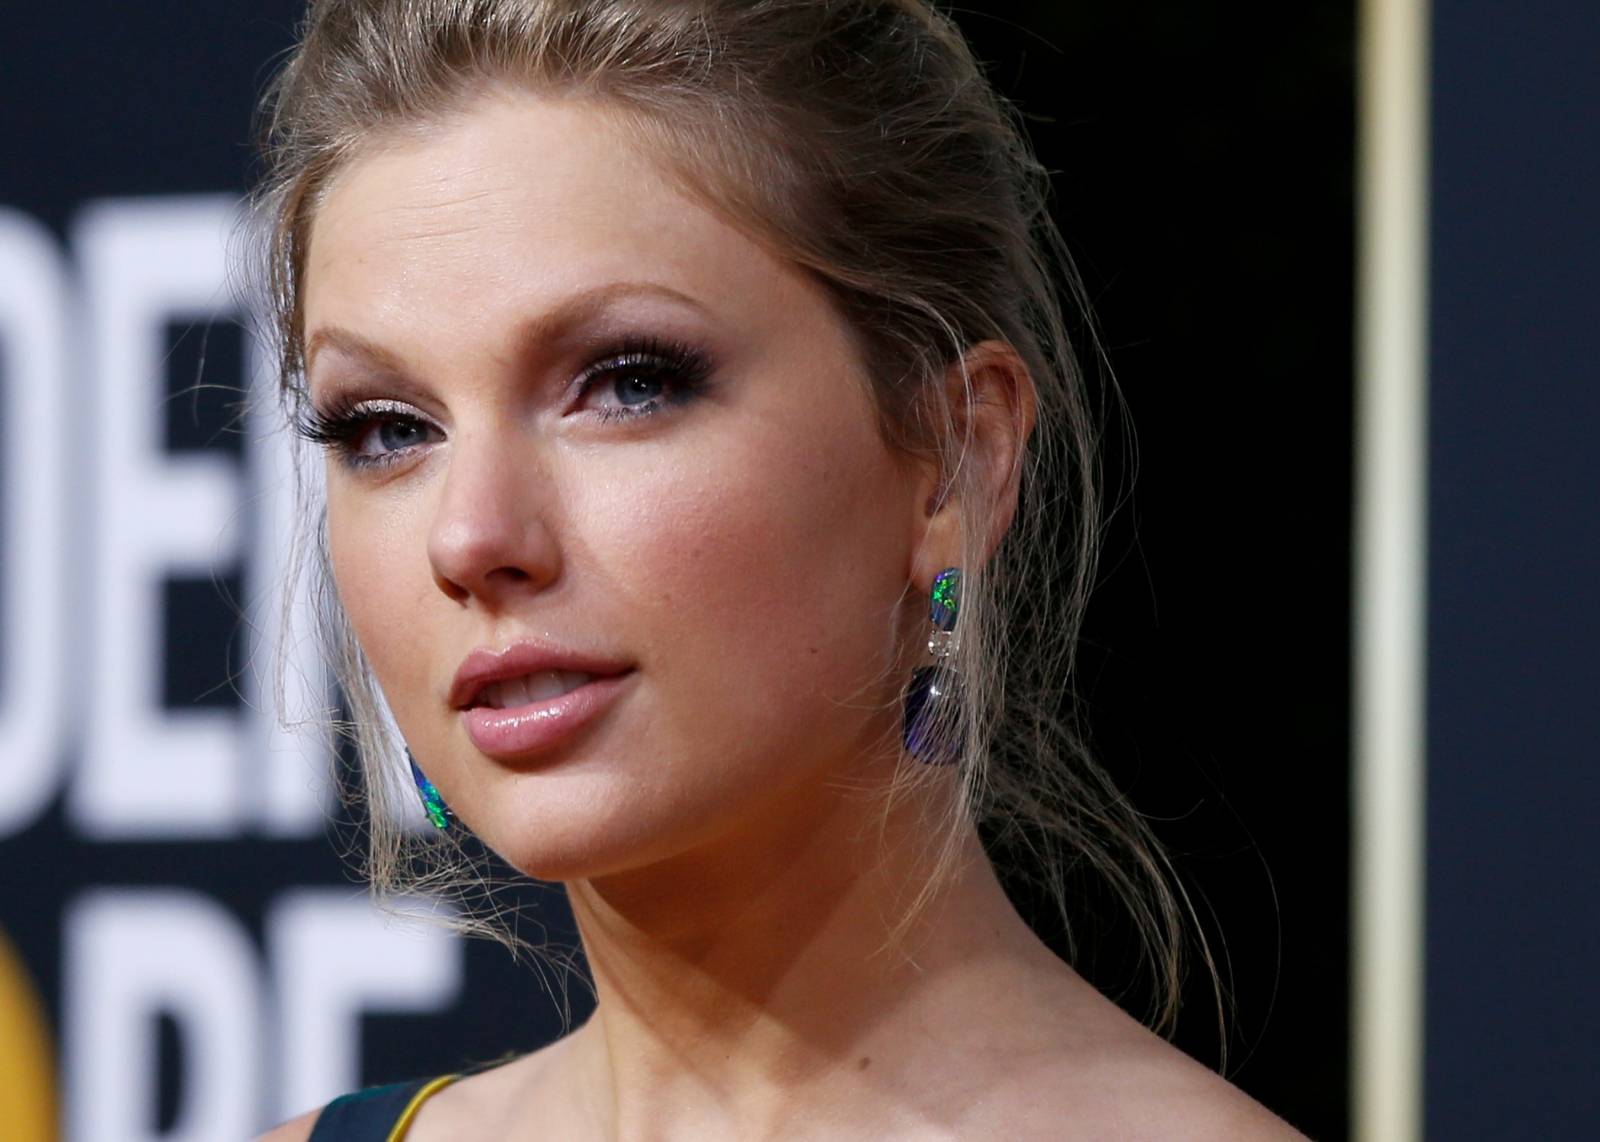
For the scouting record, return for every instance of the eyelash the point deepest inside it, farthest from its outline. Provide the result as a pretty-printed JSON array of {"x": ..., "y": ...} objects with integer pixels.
[{"x": 680, "y": 368}]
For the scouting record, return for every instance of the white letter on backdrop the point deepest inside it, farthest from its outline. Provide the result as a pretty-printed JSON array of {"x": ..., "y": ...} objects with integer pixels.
[
  {"x": 150, "y": 772},
  {"x": 34, "y": 306},
  {"x": 334, "y": 957},
  {"x": 133, "y": 955}
]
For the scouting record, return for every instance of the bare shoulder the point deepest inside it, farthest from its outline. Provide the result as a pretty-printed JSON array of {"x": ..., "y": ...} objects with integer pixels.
[
  {"x": 1177, "y": 1097},
  {"x": 1142, "y": 1089},
  {"x": 1074, "y": 1065},
  {"x": 488, "y": 1103},
  {"x": 295, "y": 1130}
]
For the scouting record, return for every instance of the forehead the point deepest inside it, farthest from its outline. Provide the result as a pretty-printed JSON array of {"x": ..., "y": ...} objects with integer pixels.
[{"x": 512, "y": 204}]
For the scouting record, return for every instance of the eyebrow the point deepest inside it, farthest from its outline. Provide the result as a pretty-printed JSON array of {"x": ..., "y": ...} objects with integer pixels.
[{"x": 549, "y": 326}]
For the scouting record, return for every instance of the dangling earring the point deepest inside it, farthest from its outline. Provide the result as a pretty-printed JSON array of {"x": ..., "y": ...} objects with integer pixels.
[
  {"x": 438, "y": 812},
  {"x": 933, "y": 702}
]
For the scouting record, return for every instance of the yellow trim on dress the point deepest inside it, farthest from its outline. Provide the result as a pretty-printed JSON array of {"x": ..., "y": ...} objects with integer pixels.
[{"x": 403, "y": 1123}]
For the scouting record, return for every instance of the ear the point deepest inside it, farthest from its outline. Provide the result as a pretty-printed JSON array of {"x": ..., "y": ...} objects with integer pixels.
[{"x": 973, "y": 491}]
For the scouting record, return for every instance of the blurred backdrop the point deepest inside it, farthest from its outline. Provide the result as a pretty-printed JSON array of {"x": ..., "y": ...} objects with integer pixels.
[{"x": 183, "y": 954}]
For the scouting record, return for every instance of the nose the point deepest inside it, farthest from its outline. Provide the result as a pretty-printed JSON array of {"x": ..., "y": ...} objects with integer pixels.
[{"x": 491, "y": 537}]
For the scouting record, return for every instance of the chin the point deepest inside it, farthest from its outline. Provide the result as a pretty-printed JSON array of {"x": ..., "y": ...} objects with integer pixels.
[{"x": 555, "y": 829}]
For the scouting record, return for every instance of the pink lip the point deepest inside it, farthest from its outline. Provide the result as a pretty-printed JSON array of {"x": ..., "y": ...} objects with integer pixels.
[{"x": 515, "y": 734}]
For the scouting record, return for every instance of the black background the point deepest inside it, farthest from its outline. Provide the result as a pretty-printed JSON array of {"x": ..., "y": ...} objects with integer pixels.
[{"x": 1205, "y": 159}]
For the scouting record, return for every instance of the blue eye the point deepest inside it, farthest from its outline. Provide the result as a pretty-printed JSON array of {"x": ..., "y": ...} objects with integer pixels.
[
  {"x": 636, "y": 389},
  {"x": 368, "y": 434},
  {"x": 643, "y": 378},
  {"x": 394, "y": 434}
]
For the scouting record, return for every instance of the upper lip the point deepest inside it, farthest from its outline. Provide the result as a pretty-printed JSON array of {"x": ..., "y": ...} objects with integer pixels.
[{"x": 485, "y": 666}]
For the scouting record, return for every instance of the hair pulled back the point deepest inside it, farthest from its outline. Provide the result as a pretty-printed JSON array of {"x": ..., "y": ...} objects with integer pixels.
[{"x": 860, "y": 140}]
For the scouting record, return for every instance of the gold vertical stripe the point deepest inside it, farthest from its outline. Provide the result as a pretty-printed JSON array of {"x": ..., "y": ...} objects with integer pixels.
[{"x": 1389, "y": 684}]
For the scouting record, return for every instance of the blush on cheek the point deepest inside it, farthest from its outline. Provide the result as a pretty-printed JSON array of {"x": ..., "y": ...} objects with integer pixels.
[
  {"x": 760, "y": 579},
  {"x": 373, "y": 560}
]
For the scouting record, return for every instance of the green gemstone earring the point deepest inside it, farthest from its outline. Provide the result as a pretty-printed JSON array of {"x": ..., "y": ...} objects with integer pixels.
[
  {"x": 433, "y": 804},
  {"x": 933, "y": 701}
]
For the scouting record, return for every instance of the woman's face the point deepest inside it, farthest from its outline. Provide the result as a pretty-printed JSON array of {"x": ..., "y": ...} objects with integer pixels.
[{"x": 589, "y": 435}]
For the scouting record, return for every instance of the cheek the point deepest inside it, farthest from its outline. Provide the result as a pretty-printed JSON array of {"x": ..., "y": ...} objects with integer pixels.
[
  {"x": 377, "y": 557},
  {"x": 764, "y": 574}
]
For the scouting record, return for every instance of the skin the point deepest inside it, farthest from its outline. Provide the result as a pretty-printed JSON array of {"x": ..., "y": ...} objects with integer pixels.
[{"x": 763, "y": 559}]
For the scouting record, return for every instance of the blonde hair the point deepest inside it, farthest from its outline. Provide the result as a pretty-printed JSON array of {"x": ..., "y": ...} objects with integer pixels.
[{"x": 860, "y": 139}]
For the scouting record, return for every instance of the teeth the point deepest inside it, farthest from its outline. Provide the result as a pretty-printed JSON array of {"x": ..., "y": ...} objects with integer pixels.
[
  {"x": 552, "y": 684},
  {"x": 511, "y": 693}
]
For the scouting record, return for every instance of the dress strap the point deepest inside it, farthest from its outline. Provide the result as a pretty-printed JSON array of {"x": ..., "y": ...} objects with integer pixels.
[
  {"x": 377, "y": 1114},
  {"x": 403, "y": 1123}
]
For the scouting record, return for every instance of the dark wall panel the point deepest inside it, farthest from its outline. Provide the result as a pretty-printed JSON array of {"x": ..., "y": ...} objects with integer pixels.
[{"x": 1514, "y": 696}]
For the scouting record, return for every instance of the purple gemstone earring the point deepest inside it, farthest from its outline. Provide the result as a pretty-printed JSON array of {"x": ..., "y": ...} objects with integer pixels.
[
  {"x": 933, "y": 701},
  {"x": 433, "y": 804}
]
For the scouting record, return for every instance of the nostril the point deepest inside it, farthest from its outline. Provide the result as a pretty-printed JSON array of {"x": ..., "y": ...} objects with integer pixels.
[{"x": 488, "y": 549}]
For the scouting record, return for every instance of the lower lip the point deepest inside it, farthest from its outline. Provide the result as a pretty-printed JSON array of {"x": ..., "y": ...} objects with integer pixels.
[{"x": 516, "y": 734}]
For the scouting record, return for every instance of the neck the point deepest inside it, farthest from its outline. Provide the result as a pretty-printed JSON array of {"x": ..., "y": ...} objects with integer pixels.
[{"x": 788, "y": 961}]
